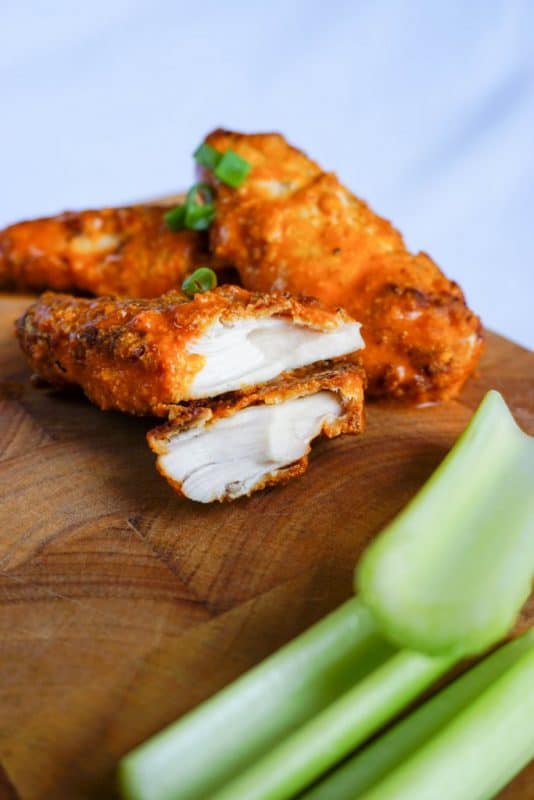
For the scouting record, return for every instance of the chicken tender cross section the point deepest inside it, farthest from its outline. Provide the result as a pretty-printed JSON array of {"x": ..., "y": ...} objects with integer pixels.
[
  {"x": 124, "y": 251},
  {"x": 292, "y": 227},
  {"x": 144, "y": 356},
  {"x": 244, "y": 442}
]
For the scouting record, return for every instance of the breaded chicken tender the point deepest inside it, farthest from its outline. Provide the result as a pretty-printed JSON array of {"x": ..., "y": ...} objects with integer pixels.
[
  {"x": 145, "y": 356},
  {"x": 122, "y": 251},
  {"x": 239, "y": 443},
  {"x": 292, "y": 227}
]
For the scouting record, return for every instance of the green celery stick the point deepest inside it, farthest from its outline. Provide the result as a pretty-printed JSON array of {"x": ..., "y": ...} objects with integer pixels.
[
  {"x": 381, "y": 757},
  {"x": 477, "y": 753},
  {"x": 452, "y": 570},
  {"x": 195, "y": 756},
  {"x": 448, "y": 579},
  {"x": 333, "y": 733}
]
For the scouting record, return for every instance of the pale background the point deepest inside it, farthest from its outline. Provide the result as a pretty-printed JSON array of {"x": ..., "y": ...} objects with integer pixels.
[{"x": 426, "y": 109}]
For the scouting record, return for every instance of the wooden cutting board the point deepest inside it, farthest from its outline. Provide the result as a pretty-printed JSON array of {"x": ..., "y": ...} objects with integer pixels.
[{"x": 122, "y": 605}]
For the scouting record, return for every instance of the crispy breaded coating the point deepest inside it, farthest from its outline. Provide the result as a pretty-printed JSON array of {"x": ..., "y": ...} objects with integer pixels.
[
  {"x": 290, "y": 227},
  {"x": 344, "y": 379},
  {"x": 294, "y": 228},
  {"x": 144, "y": 356},
  {"x": 123, "y": 251}
]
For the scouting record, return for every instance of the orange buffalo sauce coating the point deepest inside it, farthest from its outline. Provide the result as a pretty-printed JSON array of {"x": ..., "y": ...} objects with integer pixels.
[
  {"x": 292, "y": 227},
  {"x": 123, "y": 251},
  {"x": 132, "y": 355}
]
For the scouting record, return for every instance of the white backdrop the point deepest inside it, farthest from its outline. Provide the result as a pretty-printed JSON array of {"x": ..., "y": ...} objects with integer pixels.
[{"x": 426, "y": 109}]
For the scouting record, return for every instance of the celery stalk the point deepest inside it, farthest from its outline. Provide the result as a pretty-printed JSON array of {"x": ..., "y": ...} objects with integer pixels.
[
  {"x": 451, "y": 572},
  {"x": 381, "y": 757},
  {"x": 446, "y": 578},
  {"x": 479, "y": 752},
  {"x": 195, "y": 756},
  {"x": 333, "y": 733}
]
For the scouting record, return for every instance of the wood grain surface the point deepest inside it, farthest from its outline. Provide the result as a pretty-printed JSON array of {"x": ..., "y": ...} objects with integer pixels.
[{"x": 122, "y": 605}]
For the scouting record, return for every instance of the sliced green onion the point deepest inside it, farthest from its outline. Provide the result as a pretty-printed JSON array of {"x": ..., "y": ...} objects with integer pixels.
[
  {"x": 207, "y": 156},
  {"x": 197, "y": 213},
  {"x": 201, "y": 280},
  {"x": 202, "y": 191},
  {"x": 372, "y": 764},
  {"x": 199, "y": 218},
  {"x": 232, "y": 169},
  {"x": 451, "y": 572},
  {"x": 229, "y": 167},
  {"x": 175, "y": 218}
]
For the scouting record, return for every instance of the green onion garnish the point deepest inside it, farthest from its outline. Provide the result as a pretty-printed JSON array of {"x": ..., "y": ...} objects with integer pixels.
[
  {"x": 202, "y": 191},
  {"x": 207, "y": 156},
  {"x": 228, "y": 167},
  {"x": 199, "y": 215},
  {"x": 201, "y": 280},
  {"x": 175, "y": 218},
  {"x": 232, "y": 169},
  {"x": 193, "y": 215}
]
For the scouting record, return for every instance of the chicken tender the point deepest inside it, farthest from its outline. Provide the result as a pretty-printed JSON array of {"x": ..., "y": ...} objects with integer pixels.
[
  {"x": 123, "y": 251},
  {"x": 242, "y": 442},
  {"x": 292, "y": 227},
  {"x": 145, "y": 356}
]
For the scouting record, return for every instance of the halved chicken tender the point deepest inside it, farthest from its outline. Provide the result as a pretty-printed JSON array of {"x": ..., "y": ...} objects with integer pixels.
[
  {"x": 251, "y": 351},
  {"x": 145, "y": 356},
  {"x": 243, "y": 442}
]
